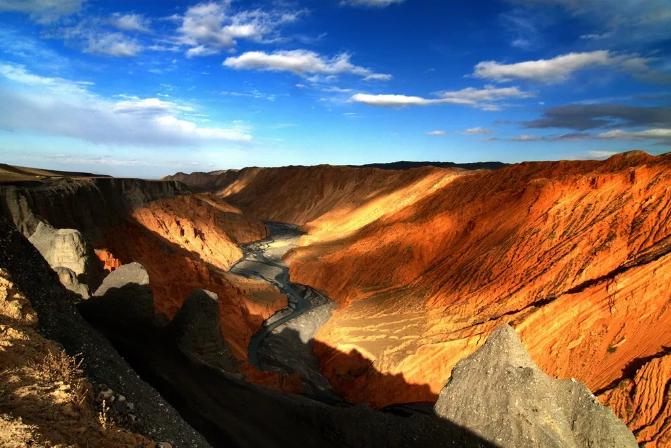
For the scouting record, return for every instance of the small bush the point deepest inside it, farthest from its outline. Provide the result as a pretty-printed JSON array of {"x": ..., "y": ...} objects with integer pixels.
[{"x": 58, "y": 367}]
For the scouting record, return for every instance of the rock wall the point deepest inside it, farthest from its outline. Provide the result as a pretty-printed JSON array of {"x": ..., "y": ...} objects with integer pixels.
[{"x": 87, "y": 204}]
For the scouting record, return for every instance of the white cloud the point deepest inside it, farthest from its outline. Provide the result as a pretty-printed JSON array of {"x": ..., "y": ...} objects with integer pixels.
[
  {"x": 254, "y": 93},
  {"x": 655, "y": 133},
  {"x": 112, "y": 44},
  {"x": 60, "y": 107},
  {"x": 130, "y": 22},
  {"x": 302, "y": 63},
  {"x": 527, "y": 138},
  {"x": 391, "y": 100},
  {"x": 371, "y": 3},
  {"x": 208, "y": 28},
  {"x": 436, "y": 133},
  {"x": 92, "y": 35},
  {"x": 477, "y": 131},
  {"x": 42, "y": 11},
  {"x": 485, "y": 98},
  {"x": 560, "y": 68},
  {"x": 600, "y": 154}
]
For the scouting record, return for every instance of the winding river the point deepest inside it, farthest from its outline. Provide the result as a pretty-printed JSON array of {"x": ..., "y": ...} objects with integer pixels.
[{"x": 263, "y": 260}]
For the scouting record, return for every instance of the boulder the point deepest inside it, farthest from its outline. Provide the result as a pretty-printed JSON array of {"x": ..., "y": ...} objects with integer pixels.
[
  {"x": 69, "y": 279},
  {"x": 67, "y": 248},
  {"x": 124, "y": 297},
  {"x": 196, "y": 330},
  {"x": 501, "y": 395}
]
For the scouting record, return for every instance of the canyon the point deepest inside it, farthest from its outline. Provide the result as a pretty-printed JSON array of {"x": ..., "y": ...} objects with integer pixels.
[{"x": 342, "y": 304}]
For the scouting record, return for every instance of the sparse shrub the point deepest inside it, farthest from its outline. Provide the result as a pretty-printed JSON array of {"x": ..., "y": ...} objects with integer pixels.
[
  {"x": 59, "y": 366},
  {"x": 103, "y": 417}
]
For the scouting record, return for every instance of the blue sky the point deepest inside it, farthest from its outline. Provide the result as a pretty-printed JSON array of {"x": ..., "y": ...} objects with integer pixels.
[{"x": 149, "y": 88}]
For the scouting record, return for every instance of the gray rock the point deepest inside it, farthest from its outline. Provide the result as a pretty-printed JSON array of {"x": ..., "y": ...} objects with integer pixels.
[
  {"x": 501, "y": 395},
  {"x": 131, "y": 273},
  {"x": 197, "y": 331},
  {"x": 69, "y": 279},
  {"x": 124, "y": 296},
  {"x": 67, "y": 248}
]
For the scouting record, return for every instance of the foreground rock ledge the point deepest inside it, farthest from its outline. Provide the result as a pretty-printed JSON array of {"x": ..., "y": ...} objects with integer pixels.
[{"x": 501, "y": 395}]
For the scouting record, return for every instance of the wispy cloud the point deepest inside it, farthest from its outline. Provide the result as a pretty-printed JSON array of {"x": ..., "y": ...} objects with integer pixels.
[
  {"x": 582, "y": 117},
  {"x": 646, "y": 134},
  {"x": 560, "y": 68},
  {"x": 623, "y": 22},
  {"x": 111, "y": 44},
  {"x": 436, "y": 133},
  {"x": 302, "y": 63},
  {"x": 209, "y": 28},
  {"x": 477, "y": 131},
  {"x": 130, "y": 22},
  {"x": 61, "y": 107},
  {"x": 42, "y": 11},
  {"x": 659, "y": 135},
  {"x": 255, "y": 93},
  {"x": 485, "y": 98}
]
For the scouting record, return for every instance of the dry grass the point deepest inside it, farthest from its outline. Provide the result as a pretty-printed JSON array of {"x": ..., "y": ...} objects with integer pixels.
[
  {"x": 60, "y": 368},
  {"x": 45, "y": 397}
]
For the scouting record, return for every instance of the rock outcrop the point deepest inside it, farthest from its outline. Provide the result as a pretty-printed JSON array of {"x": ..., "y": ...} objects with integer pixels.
[
  {"x": 90, "y": 205},
  {"x": 501, "y": 395},
  {"x": 66, "y": 248},
  {"x": 197, "y": 331},
  {"x": 71, "y": 281}
]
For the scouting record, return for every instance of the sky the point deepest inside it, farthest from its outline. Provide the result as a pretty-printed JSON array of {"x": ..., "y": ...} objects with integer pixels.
[{"x": 146, "y": 89}]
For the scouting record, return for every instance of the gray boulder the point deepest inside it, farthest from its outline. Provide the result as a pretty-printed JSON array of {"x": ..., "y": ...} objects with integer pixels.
[
  {"x": 131, "y": 273},
  {"x": 197, "y": 332},
  {"x": 71, "y": 282},
  {"x": 67, "y": 248},
  {"x": 124, "y": 297},
  {"x": 501, "y": 395}
]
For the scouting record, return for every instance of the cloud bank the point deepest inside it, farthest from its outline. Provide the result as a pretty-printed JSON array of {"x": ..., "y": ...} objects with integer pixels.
[
  {"x": 485, "y": 98},
  {"x": 42, "y": 11},
  {"x": 209, "y": 28},
  {"x": 60, "y": 107},
  {"x": 560, "y": 68}
]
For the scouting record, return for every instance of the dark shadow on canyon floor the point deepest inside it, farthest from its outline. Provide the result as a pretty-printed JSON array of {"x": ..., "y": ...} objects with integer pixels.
[
  {"x": 231, "y": 412},
  {"x": 350, "y": 374}
]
